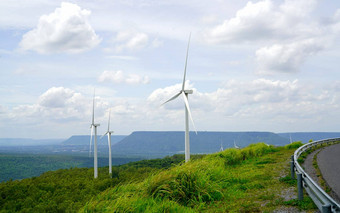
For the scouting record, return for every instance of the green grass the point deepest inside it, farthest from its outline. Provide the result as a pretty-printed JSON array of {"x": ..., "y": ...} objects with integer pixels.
[{"x": 246, "y": 180}]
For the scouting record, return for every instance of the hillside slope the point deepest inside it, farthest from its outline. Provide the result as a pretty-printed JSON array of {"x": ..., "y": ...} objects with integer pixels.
[{"x": 249, "y": 180}]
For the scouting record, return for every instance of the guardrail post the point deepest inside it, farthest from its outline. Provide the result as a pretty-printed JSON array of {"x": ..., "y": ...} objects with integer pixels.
[
  {"x": 326, "y": 208},
  {"x": 292, "y": 171},
  {"x": 299, "y": 185}
]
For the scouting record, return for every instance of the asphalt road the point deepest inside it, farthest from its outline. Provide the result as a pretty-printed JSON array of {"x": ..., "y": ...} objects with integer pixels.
[{"x": 329, "y": 164}]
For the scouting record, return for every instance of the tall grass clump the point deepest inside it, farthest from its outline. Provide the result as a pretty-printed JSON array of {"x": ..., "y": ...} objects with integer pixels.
[
  {"x": 236, "y": 156},
  {"x": 185, "y": 188},
  {"x": 293, "y": 145}
]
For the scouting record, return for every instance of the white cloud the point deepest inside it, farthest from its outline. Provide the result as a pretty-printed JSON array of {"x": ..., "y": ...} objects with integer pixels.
[
  {"x": 260, "y": 98},
  {"x": 64, "y": 30},
  {"x": 160, "y": 95},
  {"x": 57, "y": 97},
  {"x": 131, "y": 40},
  {"x": 120, "y": 77},
  {"x": 250, "y": 23},
  {"x": 287, "y": 57},
  {"x": 264, "y": 20},
  {"x": 59, "y": 104},
  {"x": 285, "y": 35}
]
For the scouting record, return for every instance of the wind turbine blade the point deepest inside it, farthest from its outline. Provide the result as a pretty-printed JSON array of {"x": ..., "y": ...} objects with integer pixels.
[
  {"x": 178, "y": 94},
  {"x": 104, "y": 135},
  {"x": 186, "y": 62},
  {"x": 108, "y": 124},
  {"x": 94, "y": 93},
  {"x": 91, "y": 141},
  {"x": 188, "y": 108}
]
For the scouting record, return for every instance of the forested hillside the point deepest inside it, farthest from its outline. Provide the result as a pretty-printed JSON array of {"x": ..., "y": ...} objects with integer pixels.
[
  {"x": 253, "y": 179},
  {"x": 67, "y": 190},
  {"x": 19, "y": 166}
]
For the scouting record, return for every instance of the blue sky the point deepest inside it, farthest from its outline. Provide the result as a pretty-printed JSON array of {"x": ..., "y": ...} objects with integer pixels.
[{"x": 253, "y": 65}]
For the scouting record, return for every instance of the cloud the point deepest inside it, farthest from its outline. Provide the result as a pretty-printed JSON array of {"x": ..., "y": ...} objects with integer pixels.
[
  {"x": 250, "y": 23},
  {"x": 120, "y": 77},
  {"x": 64, "y": 30},
  {"x": 57, "y": 97},
  {"x": 259, "y": 98},
  {"x": 257, "y": 104},
  {"x": 284, "y": 35},
  {"x": 160, "y": 95},
  {"x": 59, "y": 104},
  {"x": 264, "y": 20},
  {"x": 287, "y": 57},
  {"x": 131, "y": 40}
]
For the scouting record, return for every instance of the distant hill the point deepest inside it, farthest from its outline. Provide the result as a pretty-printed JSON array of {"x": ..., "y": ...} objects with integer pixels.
[
  {"x": 28, "y": 142},
  {"x": 203, "y": 142},
  {"x": 306, "y": 136},
  {"x": 85, "y": 140}
]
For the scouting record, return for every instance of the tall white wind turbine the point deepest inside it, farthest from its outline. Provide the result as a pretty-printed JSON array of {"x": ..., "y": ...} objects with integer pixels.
[
  {"x": 108, "y": 133},
  {"x": 185, "y": 94},
  {"x": 94, "y": 127}
]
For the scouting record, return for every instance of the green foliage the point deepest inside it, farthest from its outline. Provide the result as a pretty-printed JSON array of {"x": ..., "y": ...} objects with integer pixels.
[
  {"x": 234, "y": 180},
  {"x": 69, "y": 189},
  {"x": 288, "y": 179},
  {"x": 230, "y": 181},
  {"x": 186, "y": 189},
  {"x": 294, "y": 145},
  {"x": 19, "y": 166},
  {"x": 163, "y": 163},
  {"x": 236, "y": 156},
  {"x": 306, "y": 204}
]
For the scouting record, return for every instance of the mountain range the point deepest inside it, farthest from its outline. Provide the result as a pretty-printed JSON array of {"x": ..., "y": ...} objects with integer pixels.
[{"x": 157, "y": 143}]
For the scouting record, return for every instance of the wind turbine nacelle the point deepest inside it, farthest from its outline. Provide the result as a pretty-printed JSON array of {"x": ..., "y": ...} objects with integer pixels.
[{"x": 189, "y": 91}]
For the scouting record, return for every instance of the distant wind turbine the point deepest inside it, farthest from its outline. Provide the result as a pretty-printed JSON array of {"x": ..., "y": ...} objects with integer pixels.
[
  {"x": 185, "y": 94},
  {"x": 108, "y": 133},
  {"x": 290, "y": 137},
  {"x": 221, "y": 149},
  {"x": 235, "y": 146},
  {"x": 94, "y": 127}
]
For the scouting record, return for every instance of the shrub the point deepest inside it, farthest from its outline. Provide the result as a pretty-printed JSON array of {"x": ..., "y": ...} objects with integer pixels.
[{"x": 294, "y": 145}]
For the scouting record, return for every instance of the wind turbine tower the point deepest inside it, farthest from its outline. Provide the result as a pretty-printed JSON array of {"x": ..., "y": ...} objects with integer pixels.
[
  {"x": 94, "y": 127},
  {"x": 108, "y": 133},
  {"x": 185, "y": 94}
]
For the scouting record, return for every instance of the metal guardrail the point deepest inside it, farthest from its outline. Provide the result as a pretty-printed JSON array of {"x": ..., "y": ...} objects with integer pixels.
[{"x": 322, "y": 200}]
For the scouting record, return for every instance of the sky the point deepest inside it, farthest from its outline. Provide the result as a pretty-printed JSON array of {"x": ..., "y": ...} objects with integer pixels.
[{"x": 268, "y": 65}]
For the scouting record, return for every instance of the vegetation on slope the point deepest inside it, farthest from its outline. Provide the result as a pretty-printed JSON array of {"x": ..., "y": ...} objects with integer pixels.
[
  {"x": 246, "y": 180},
  {"x": 67, "y": 190},
  {"x": 19, "y": 166}
]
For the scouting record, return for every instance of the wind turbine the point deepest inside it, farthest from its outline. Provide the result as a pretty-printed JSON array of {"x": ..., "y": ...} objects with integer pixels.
[
  {"x": 108, "y": 133},
  {"x": 94, "y": 127},
  {"x": 290, "y": 137},
  {"x": 221, "y": 149},
  {"x": 185, "y": 94},
  {"x": 235, "y": 146}
]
